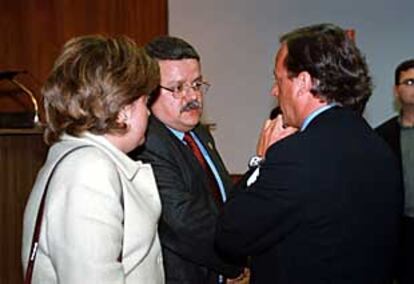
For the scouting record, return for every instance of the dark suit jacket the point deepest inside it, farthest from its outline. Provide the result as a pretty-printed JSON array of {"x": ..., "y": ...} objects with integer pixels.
[
  {"x": 324, "y": 209},
  {"x": 189, "y": 212},
  {"x": 390, "y": 131}
]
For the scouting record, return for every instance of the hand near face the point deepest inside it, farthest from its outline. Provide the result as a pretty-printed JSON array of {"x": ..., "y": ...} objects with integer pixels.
[
  {"x": 243, "y": 278},
  {"x": 272, "y": 132}
]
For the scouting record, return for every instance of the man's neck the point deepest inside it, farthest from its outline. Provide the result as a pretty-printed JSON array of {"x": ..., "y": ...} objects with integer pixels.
[
  {"x": 407, "y": 117},
  {"x": 315, "y": 113}
]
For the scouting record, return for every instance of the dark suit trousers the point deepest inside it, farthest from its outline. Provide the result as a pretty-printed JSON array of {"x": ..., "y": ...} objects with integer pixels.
[{"x": 406, "y": 265}]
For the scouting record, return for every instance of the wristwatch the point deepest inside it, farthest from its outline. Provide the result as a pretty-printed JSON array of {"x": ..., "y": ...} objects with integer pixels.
[{"x": 255, "y": 161}]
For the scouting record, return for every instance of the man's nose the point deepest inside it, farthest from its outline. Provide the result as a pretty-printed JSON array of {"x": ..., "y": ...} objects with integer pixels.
[
  {"x": 275, "y": 90},
  {"x": 191, "y": 94}
]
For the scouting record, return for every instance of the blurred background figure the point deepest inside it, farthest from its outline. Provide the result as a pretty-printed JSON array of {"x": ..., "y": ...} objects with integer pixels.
[
  {"x": 398, "y": 132},
  {"x": 99, "y": 216}
]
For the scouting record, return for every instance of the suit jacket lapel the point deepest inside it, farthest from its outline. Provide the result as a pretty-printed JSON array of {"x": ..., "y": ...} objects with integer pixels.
[
  {"x": 189, "y": 161},
  {"x": 209, "y": 145},
  {"x": 188, "y": 156}
]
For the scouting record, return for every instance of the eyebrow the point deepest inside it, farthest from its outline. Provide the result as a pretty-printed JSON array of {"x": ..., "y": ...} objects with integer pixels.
[
  {"x": 406, "y": 80},
  {"x": 199, "y": 78}
]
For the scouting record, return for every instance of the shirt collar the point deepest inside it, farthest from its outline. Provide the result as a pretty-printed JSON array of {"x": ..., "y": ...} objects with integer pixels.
[
  {"x": 177, "y": 133},
  {"x": 315, "y": 113}
]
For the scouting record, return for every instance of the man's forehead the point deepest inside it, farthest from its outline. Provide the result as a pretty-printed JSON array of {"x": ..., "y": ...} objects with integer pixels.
[
  {"x": 283, "y": 49},
  {"x": 183, "y": 64},
  {"x": 179, "y": 62},
  {"x": 407, "y": 73},
  {"x": 280, "y": 57},
  {"x": 180, "y": 70}
]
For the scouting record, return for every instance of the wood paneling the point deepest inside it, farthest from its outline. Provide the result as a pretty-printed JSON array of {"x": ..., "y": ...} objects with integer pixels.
[
  {"x": 32, "y": 33},
  {"x": 21, "y": 156}
]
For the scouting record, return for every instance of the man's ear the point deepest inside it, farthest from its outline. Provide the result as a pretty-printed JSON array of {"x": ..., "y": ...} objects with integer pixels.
[
  {"x": 395, "y": 91},
  {"x": 304, "y": 81}
]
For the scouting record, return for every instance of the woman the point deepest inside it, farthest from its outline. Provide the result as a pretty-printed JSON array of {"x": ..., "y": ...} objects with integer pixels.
[{"x": 99, "y": 222}]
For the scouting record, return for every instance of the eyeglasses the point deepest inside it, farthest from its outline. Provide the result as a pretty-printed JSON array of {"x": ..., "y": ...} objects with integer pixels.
[
  {"x": 407, "y": 82},
  {"x": 180, "y": 90}
]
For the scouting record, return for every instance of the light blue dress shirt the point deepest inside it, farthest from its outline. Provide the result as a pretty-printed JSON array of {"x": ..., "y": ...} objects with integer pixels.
[{"x": 315, "y": 113}]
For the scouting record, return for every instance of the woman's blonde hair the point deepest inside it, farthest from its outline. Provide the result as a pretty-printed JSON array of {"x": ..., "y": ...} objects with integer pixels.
[{"x": 93, "y": 78}]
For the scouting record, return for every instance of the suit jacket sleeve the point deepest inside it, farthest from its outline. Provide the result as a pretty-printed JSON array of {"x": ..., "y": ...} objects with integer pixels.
[
  {"x": 188, "y": 222},
  {"x": 247, "y": 224}
]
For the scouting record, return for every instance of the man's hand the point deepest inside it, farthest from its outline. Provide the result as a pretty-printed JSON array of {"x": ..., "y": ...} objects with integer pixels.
[
  {"x": 243, "y": 278},
  {"x": 272, "y": 131}
]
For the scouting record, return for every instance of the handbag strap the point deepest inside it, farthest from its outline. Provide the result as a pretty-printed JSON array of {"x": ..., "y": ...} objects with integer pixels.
[{"x": 39, "y": 218}]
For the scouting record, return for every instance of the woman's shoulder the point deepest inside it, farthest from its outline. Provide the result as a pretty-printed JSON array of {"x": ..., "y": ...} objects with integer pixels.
[{"x": 76, "y": 162}]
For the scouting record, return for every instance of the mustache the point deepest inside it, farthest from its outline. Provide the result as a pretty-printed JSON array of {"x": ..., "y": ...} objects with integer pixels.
[{"x": 194, "y": 104}]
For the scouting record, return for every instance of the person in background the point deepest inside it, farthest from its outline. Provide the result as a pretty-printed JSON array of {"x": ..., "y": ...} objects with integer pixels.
[
  {"x": 398, "y": 132},
  {"x": 192, "y": 179},
  {"x": 326, "y": 205},
  {"x": 100, "y": 213}
]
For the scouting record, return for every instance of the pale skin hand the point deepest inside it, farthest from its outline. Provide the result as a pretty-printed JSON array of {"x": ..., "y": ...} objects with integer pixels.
[
  {"x": 272, "y": 132},
  {"x": 243, "y": 278}
]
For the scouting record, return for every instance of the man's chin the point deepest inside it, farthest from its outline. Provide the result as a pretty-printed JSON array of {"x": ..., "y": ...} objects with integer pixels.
[{"x": 192, "y": 120}]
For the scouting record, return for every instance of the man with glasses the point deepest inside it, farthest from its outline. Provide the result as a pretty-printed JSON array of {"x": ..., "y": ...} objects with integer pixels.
[
  {"x": 191, "y": 177},
  {"x": 398, "y": 132}
]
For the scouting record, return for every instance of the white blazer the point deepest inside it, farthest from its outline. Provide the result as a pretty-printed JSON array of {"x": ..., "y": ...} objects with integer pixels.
[{"x": 99, "y": 203}]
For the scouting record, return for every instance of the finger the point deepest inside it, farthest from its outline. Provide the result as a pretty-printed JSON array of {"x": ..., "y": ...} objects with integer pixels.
[
  {"x": 280, "y": 121},
  {"x": 267, "y": 123}
]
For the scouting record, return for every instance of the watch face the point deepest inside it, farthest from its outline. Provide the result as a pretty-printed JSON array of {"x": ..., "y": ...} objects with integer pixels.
[{"x": 255, "y": 161}]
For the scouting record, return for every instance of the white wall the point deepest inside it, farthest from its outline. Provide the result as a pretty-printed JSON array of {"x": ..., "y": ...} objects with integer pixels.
[{"x": 237, "y": 40}]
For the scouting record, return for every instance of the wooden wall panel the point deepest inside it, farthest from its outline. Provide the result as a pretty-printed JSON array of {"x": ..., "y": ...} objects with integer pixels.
[
  {"x": 21, "y": 155},
  {"x": 32, "y": 33}
]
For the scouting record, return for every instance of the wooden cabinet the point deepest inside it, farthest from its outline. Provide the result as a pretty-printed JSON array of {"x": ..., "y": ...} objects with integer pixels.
[{"x": 22, "y": 153}]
